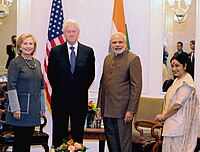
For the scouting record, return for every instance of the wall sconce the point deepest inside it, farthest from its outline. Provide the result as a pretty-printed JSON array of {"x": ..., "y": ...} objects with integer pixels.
[
  {"x": 4, "y": 8},
  {"x": 180, "y": 12}
]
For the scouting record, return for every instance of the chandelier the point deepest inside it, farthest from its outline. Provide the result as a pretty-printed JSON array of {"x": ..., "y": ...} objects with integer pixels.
[
  {"x": 4, "y": 8},
  {"x": 180, "y": 11}
]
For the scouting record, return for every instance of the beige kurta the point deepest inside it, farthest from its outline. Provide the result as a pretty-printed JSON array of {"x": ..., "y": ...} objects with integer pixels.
[{"x": 180, "y": 131}]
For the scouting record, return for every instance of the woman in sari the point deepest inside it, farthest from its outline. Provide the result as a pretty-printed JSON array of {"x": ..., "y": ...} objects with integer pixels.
[{"x": 180, "y": 113}]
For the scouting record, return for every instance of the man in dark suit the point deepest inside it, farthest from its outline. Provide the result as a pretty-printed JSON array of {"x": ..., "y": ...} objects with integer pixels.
[
  {"x": 11, "y": 50},
  {"x": 71, "y": 71},
  {"x": 180, "y": 49},
  {"x": 191, "y": 57},
  {"x": 119, "y": 94}
]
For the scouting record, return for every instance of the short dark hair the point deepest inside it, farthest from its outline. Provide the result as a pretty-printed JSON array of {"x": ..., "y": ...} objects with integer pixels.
[
  {"x": 179, "y": 42},
  {"x": 193, "y": 42},
  {"x": 13, "y": 36}
]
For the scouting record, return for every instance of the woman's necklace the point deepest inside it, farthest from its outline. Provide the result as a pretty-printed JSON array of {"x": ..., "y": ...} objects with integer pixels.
[{"x": 30, "y": 66}]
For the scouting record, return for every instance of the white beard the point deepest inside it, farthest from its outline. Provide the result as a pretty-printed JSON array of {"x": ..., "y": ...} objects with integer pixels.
[{"x": 119, "y": 51}]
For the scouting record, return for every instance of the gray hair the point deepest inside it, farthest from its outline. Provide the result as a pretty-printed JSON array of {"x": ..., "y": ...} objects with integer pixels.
[
  {"x": 70, "y": 21},
  {"x": 119, "y": 33}
]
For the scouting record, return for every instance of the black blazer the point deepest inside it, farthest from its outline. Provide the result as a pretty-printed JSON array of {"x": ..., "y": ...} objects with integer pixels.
[
  {"x": 64, "y": 83},
  {"x": 11, "y": 54},
  {"x": 191, "y": 64}
]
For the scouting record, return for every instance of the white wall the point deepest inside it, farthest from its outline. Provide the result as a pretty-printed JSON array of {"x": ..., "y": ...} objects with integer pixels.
[{"x": 197, "y": 53}]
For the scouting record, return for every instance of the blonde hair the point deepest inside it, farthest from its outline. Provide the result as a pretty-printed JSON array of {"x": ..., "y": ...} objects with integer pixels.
[{"x": 21, "y": 39}]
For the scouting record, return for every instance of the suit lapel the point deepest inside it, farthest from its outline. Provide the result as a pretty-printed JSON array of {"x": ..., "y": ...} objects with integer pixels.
[
  {"x": 64, "y": 57},
  {"x": 79, "y": 53}
]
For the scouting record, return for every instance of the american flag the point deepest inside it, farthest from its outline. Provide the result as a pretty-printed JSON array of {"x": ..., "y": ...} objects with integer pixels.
[{"x": 55, "y": 37}]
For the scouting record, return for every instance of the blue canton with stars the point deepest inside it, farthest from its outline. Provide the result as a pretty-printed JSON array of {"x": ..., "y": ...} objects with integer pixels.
[{"x": 56, "y": 20}]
